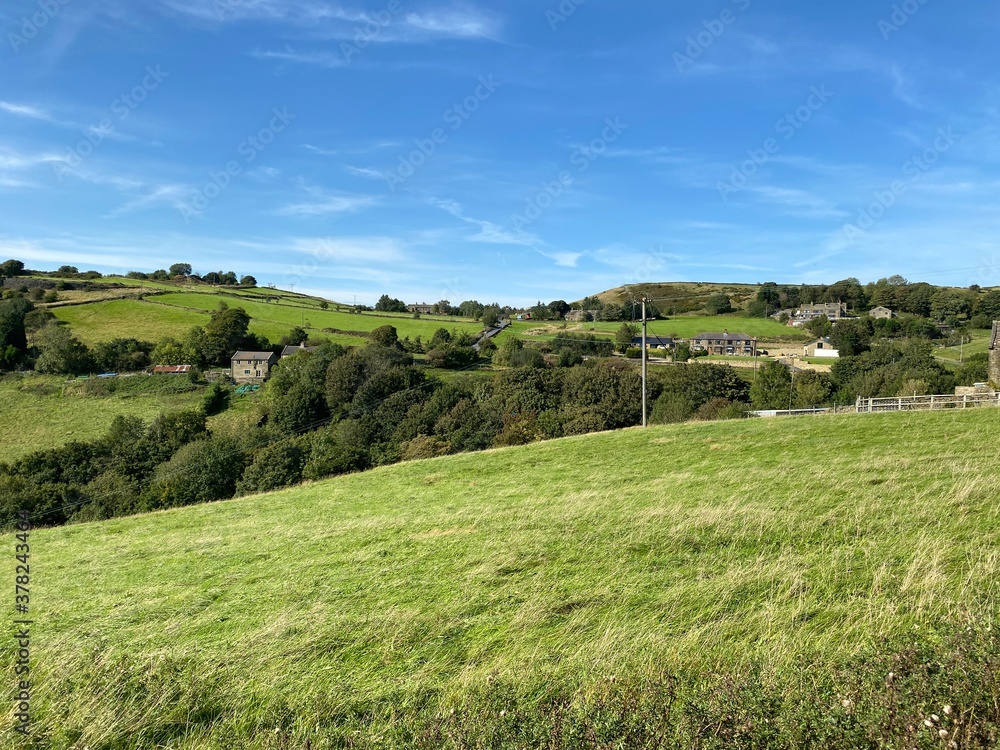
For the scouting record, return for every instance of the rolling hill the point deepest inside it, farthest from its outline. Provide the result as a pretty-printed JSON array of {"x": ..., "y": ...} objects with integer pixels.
[
  {"x": 157, "y": 309},
  {"x": 814, "y": 582}
]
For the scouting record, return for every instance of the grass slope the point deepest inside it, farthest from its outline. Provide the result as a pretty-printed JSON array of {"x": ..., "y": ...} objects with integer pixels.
[
  {"x": 36, "y": 414},
  {"x": 172, "y": 313},
  {"x": 493, "y": 600},
  {"x": 678, "y": 327}
]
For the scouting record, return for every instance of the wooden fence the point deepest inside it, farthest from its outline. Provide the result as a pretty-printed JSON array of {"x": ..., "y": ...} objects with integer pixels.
[{"x": 927, "y": 403}]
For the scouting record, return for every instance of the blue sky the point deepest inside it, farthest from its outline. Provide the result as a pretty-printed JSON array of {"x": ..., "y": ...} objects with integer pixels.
[{"x": 510, "y": 152}]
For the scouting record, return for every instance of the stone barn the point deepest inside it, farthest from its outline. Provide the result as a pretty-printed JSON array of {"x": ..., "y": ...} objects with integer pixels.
[{"x": 995, "y": 355}]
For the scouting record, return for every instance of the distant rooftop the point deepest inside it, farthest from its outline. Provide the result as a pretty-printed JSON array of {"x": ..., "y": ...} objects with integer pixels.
[{"x": 253, "y": 355}]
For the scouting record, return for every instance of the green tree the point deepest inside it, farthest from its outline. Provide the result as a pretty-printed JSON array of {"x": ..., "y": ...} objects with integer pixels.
[
  {"x": 11, "y": 268},
  {"x": 384, "y": 336},
  {"x": 819, "y": 327},
  {"x": 719, "y": 304},
  {"x": 275, "y": 466},
  {"x": 851, "y": 337},
  {"x": 122, "y": 355},
  {"x": 200, "y": 472},
  {"x": 169, "y": 352},
  {"x": 390, "y": 304},
  {"x": 14, "y": 315},
  {"x": 60, "y": 352},
  {"x": 180, "y": 269},
  {"x": 624, "y": 335},
  {"x": 215, "y": 400},
  {"x": 769, "y": 295},
  {"x": 773, "y": 387},
  {"x": 225, "y": 333},
  {"x": 812, "y": 389},
  {"x": 507, "y": 349},
  {"x": 296, "y": 336},
  {"x": 989, "y": 304},
  {"x": 491, "y": 315}
]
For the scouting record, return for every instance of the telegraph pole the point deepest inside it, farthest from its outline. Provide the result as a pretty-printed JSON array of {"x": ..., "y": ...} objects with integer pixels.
[{"x": 644, "y": 361}]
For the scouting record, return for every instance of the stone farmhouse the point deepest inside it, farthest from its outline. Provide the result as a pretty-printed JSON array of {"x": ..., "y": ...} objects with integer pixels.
[{"x": 252, "y": 367}]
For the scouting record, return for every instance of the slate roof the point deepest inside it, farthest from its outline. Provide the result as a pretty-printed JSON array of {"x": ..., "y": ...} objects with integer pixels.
[{"x": 256, "y": 356}]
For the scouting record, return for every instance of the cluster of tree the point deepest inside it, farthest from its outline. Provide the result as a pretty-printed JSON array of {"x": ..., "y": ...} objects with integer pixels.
[
  {"x": 877, "y": 368},
  {"x": 227, "y": 331},
  {"x": 614, "y": 311},
  {"x": 326, "y": 411},
  {"x": 11, "y": 268},
  {"x": 33, "y": 336},
  {"x": 940, "y": 304},
  {"x": 490, "y": 315},
  {"x": 223, "y": 278},
  {"x": 390, "y": 304}
]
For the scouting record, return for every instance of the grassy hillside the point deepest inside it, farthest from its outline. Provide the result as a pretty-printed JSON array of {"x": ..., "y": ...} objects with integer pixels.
[
  {"x": 684, "y": 326},
  {"x": 39, "y": 413},
  {"x": 664, "y": 294},
  {"x": 716, "y": 585},
  {"x": 172, "y": 313}
]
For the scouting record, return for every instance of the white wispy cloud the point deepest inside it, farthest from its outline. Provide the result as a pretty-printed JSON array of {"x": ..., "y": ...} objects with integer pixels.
[
  {"x": 364, "y": 172},
  {"x": 26, "y": 110},
  {"x": 797, "y": 202},
  {"x": 172, "y": 195},
  {"x": 489, "y": 232},
  {"x": 327, "y": 204},
  {"x": 361, "y": 250},
  {"x": 455, "y": 23},
  {"x": 320, "y": 151},
  {"x": 321, "y": 58}
]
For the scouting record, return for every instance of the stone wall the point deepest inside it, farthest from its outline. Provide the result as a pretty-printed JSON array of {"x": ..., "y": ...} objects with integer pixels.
[{"x": 995, "y": 355}]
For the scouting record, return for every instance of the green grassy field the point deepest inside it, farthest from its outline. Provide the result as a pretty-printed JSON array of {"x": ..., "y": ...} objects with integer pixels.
[
  {"x": 103, "y": 321},
  {"x": 678, "y": 327},
  {"x": 36, "y": 416},
  {"x": 171, "y": 314},
  {"x": 980, "y": 344},
  {"x": 290, "y": 316},
  {"x": 710, "y": 585}
]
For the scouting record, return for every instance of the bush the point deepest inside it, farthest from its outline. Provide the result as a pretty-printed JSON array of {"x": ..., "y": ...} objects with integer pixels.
[
  {"x": 200, "y": 472},
  {"x": 216, "y": 399},
  {"x": 275, "y": 466},
  {"x": 424, "y": 446},
  {"x": 335, "y": 452}
]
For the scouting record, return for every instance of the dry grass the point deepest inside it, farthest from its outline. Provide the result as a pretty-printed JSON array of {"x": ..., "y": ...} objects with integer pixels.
[{"x": 343, "y": 610}]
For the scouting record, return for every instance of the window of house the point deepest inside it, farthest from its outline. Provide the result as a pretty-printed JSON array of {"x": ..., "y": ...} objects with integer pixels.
[{"x": 246, "y": 372}]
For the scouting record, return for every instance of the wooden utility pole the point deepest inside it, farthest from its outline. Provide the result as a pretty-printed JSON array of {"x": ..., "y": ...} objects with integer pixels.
[{"x": 644, "y": 361}]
